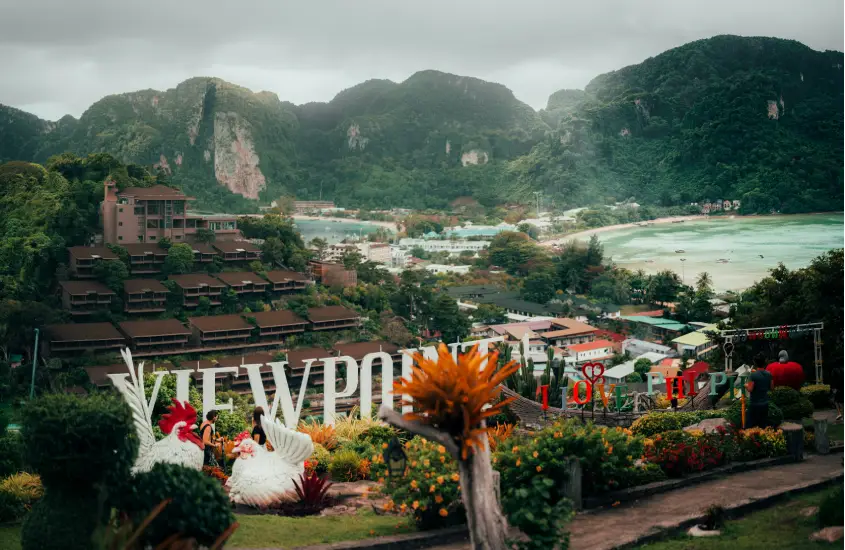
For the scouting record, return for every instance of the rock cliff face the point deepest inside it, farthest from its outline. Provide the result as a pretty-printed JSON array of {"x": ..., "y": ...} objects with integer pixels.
[{"x": 703, "y": 121}]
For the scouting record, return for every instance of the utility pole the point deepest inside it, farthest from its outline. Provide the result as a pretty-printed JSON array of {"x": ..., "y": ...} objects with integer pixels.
[{"x": 34, "y": 362}]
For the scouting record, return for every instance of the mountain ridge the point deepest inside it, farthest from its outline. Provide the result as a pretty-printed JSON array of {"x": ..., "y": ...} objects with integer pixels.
[{"x": 657, "y": 131}]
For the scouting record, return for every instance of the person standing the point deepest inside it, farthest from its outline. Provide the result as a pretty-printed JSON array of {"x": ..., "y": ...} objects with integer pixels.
[
  {"x": 836, "y": 384},
  {"x": 759, "y": 383},
  {"x": 257, "y": 431},
  {"x": 207, "y": 433}
]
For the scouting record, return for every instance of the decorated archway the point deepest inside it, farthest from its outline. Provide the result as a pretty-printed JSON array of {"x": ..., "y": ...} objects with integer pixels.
[{"x": 781, "y": 332}]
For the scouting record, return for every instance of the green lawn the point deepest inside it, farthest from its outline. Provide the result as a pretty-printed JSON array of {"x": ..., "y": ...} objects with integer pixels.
[
  {"x": 834, "y": 431},
  {"x": 283, "y": 532},
  {"x": 779, "y": 528}
]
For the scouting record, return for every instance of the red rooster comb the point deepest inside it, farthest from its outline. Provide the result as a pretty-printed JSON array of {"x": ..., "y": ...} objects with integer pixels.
[
  {"x": 241, "y": 436},
  {"x": 179, "y": 412}
]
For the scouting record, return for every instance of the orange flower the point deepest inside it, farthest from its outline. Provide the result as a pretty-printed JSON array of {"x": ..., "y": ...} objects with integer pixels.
[
  {"x": 443, "y": 459},
  {"x": 384, "y": 445},
  {"x": 558, "y": 435},
  {"x": 515, "y": 449},
  {"x": 427, "y": 475},
  {"x": 453, "y": 393},
  {"x": 415, "y": 504},
  {"x": 438, "y": 499},
  {"x": 615, "y": 504},
  {"x": 610, "y": 450},
  {"x": 432, "y": 488},
  {"x": 518, "y": 461},
  {"x": 441, "y": 449},
  {"x": 403, "y": 508},
  {"x": 539, "y": 468},
  {"x": 536, "y": 454},
  {"x": 426, "y": 463},
  {"x": 443, "y": 512},
  {"x": 414, "y": 464},
  {"x": 440, "y": 480},
  {"x": 455, "y": 477},
  {"x": 413, "y": 483}
]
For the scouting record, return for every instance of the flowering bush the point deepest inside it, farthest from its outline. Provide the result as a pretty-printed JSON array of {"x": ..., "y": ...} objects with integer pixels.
[
  {"x": 429, "y": 488},
  {"x": 216, "y": 473},
  {"x": 347, "y": 465},
  {"x": 758, "y": 443},
  {"x": 678, "y": 452},
  {"x": 18, "y": 493},
  {"x": 658, "y": 422},
  {"x": 818, "y": 394}
]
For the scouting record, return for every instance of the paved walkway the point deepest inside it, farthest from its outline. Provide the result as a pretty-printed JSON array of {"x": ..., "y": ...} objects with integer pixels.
[{"x": 610, "y": 528}]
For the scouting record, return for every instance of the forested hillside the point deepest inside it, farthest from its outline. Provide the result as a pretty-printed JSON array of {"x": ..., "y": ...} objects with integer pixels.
[{"x": 755, "y": 119}]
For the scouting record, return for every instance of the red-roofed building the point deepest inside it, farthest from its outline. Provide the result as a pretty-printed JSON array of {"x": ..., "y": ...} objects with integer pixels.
[
  {"x": 613, "y": 337},
  {"x": 590, "y": 351}
]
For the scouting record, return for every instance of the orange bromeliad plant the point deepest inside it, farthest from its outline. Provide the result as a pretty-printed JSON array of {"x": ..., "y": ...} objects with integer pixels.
[
  {"x": 452, "y": 396},
  {"x": 451, "y": 401}
]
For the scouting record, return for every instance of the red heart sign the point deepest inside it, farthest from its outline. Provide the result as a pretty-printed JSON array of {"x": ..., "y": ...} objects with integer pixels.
[{"x": 592, "y": 376}]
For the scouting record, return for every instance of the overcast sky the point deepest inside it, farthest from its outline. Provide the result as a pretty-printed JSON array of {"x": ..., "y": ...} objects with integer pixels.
[{"x": 59, "y": 56}]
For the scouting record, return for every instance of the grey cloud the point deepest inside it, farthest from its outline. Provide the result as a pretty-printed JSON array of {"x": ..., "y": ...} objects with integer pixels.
[{"x": 65, "y": 55}]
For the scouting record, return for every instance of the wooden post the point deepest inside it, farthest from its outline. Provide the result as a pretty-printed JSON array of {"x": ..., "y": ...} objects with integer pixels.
[
  {"x": 794, "y": 435},
  {"x": 822, "y": 439},
  {"x": 572, "y": 484}
]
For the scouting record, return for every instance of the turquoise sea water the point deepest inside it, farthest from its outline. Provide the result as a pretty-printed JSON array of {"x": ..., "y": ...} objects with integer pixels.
[{"x": 753, "y": 246}]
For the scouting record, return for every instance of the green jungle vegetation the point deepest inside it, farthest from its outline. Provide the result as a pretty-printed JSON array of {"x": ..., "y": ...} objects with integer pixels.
[{"x": 754, "y": 119}]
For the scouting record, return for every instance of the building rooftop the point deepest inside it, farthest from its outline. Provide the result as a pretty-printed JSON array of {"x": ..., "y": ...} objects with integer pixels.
[
  {"x": 357, "y": 350},
  {"x": 247, "y": 359},
  {"x": 85, "y": 287},
  {"x": 91, "y": 253},
  {"x": 331, "y": 313},
  {"x": 283, "y": 276},
  {"x": 668, "y": 324},
  {"x": 283, "y": 317},
  {"x": 234, "y": 278},
  {"x": 162, "y": 327},
  {"x": 156, "y": 192},
  {"x": 568, "y": 327},
  {"x": 297, "y": 358},
  {"x": 203, "y": 248},
  {"x": 219, "y": 322},
  {"x": 232, "y": 247},
  {"x": 692, "y": 339},
  {"x": 587, "y": 346},
  {"x": 143, "y": 249},
  {"x": 136, "y": 286},
  {"x": 82, "y": 332},
  {"x": 195, "y": 280},
  {"x": 612, "y": 336}
]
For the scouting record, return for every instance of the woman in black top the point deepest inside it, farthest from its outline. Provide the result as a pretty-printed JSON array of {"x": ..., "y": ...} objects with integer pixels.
[
  {"x": 207, "y": 433},
  {"x": 257, "y": 431}
]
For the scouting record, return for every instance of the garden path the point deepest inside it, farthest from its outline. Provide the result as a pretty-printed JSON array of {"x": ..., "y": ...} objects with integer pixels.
[{"x": 609, "y": 528}]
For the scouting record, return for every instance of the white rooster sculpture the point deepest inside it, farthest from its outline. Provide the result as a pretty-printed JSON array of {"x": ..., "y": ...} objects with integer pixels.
[
  {"x": 181, "y": 446},
  {"x": 261, "y": 477}
]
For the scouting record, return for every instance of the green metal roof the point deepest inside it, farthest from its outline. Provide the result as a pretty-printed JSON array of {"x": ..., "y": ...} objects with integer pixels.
[{"x": 660, "y": 322}]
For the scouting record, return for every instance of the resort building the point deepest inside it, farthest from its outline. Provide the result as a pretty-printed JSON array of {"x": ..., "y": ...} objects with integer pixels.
[
  {"x": 332, "y": 274},
  {"x": 453, "y": 247},
  {"x": 696, "y": 344},
  {"x": 244, "y": 282},
  {"x": 154, "y": 337},
  {"x": 569, "y": 332},
  {"x": 635, "y": 348},
  {"x": 276, "y": 325},
  {"x": 305, "y": 207},
  {"x": 470, "y": 231},
  {"x": 600, "y": 350},
  {"x": 82, "y": 260},
  {"x": 441, "y": 269},
  {"x": 219, "y": 330},
  {"x": 144, "y": 296},
  {"x": 656, "y": 327},
  {"x": 204, "y": 253},
  {"x": 333, "y": 318},
  {"x": 237, "y": 251},
  {"x": 145, "y": 258},
  {"x": 76, "y": 338},
  {"x": 287, "y": 281},
  {"x": 198, "y": 285},
  {"x": 85, "y": 297}
]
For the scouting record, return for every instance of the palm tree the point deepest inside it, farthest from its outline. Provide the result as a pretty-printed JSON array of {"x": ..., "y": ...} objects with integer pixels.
[{"x": 704, "y": 280}]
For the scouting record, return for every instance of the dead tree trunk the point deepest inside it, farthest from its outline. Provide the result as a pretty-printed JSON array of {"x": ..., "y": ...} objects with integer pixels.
[{"x": 487, "y": 525}]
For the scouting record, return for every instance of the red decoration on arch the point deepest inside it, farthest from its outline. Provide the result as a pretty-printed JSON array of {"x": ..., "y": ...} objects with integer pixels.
[{"x": 593, "y": 377}]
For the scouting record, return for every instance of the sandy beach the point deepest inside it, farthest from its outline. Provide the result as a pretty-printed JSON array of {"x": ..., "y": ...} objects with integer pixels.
[{"x": 583, "y": 235}]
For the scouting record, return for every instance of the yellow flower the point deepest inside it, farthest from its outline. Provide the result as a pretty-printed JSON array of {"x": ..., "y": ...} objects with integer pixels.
[
  {"x": 438, "y": 499},
  {"x": 455, "y": 477},
  {"x": 413, "y": 483},
  {"x": 432, "y": 489},
  {"x": 539, "y": 468},
  {"x": 603, "y": 431},
  {"x": 515, "y": 450},
  {"x": 426, "y": 463},
  {"x": 629, "y": 458},
  {"x": 443, "y": 459},
  {"x": 375, "y": 458},
  {"x": 536, "y": 454},
  {"x": 441, "y": 449},
  {"x": 443, "y": 512},
  {"x": 416, "y": 504},
  {"x": 518, "y": 461},
  {"x": 403, "y": 508},
  {"x": 440, "y": 480},
  {"x": 407, "y": 444}
]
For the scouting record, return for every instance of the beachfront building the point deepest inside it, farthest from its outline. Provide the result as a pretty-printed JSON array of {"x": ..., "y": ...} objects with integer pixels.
[
  {"x": 309, "y": 207},
  {"x": 375, "y": 252},
  {"x": 442, "y": 269},
  {"x": 470, "y": 231},
  {"x": 453, "y": 247}
]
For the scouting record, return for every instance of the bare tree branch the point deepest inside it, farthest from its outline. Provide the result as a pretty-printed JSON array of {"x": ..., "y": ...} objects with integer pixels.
[{"x": 395, "y": 419}]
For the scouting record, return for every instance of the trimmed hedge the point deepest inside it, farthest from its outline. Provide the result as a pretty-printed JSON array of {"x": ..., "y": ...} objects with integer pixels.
[
  {"x": 658, "y": 422},
  {"x": 734, "y": 414},
  {"x": 818, "y": 394}
]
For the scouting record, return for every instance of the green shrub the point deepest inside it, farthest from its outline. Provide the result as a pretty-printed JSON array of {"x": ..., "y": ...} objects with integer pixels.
[
  {"x": 830, "y": 509},
  {"x": 783, "y": 396},
  {"x": 756, "y": 443},
  {"x": 803, "y": 408},
  {"x": 63, "y": 520},
  {"x": 11, "y": 454},
  {"x": 323, "y": 457},
  {"x": 643, "y": 475},
  {"x": 378, "y": 435},
  {"x": 658, "y": 422},
  {"x": 11, "y": 508},
  {"x": 230, "y": 423},
  {"x": 79, "y": 442},
  {"x": 429, "y": 487},
  {"x": 18, "y": 493},
  {"x": 345, "y": 466},
  {"x": 818, "y": 394},
  {"x": 362, "y": 447},
  {"x": 734, "y": 414},
  {"x": 199, "y": 508}
]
